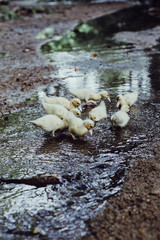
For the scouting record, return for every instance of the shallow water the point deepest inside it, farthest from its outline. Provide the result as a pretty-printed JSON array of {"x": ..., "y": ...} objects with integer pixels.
[
  {"x": 66, "y": 2},
  {"x": 92, "y": 169}
]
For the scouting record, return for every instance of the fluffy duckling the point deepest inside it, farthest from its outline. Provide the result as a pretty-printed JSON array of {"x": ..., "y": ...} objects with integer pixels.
[
  {"x": 98, "y": 96},
  {"x": 121, "y": 118},
  {"x": 79, "y": 126},
  {"x": 59, "y": 110},
  {"x": 89, "y": 95},
  {"x": 50, "y": 123},
  {"x": 129, "y": 99},
  {"x": 98, "y": 112},
  {"x": 60, "y": 100}
]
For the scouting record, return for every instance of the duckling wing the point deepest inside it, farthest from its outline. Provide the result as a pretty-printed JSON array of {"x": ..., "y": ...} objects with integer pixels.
[
  {"x": 48, "y": 123},
  {"x": 56, "y": 109},
  {"x": 48, "y": 107},
  {"x": 102, "y": 110},
  {"x": 120, "y": 118},
  {"x": 131, "y": 98},
  {"x": 94, "y": 96},
  {"x": 82, "y": 94},
  {"x": 76, "y": 126},
  {"x": 58, "y": 100},
  {"x": 98, "y": 112},
  {"x": 80, "y": 130},
  {"x": 102, "y": 114}
]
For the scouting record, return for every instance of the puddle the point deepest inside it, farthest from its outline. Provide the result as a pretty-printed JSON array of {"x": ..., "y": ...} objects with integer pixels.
[{"x": 92, "y": 169}]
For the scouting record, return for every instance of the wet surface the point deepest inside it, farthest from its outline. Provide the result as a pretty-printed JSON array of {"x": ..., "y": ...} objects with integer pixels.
[
  {"x": 94, "y": 33},
  {"x": 66, "y": 2},
  {"x": 92, "y": 169}
]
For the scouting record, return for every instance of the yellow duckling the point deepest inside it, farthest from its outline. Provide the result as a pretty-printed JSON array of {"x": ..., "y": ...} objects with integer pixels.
[
  {"x": 98, "y": 96},
  {"x": 50, "y": 123},
  {"x": 121, "y": 118},
  {"x": 98, "y": 112},
  {"x": 59, "y": 110},
  {"x": 60, "y": 100},
  {"x": 79, "y": 126},
  {"x": 129, "y": 99},
  {"x": 89, "y": 95}
]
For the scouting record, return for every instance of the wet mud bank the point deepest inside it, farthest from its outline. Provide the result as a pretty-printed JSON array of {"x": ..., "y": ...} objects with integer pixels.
[
  {"x": 134, "y": 214},
  {"x": 89, "y": 201}
]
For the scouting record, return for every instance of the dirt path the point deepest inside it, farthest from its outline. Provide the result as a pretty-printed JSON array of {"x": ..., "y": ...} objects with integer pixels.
[{"x": 135, "y": 213}]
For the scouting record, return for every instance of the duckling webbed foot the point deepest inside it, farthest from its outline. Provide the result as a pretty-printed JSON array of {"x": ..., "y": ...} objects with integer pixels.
[
  {"x": 91, "y": 101},
  {"x": 53, "y": 133},
  {"x": 74, "y": 138}
]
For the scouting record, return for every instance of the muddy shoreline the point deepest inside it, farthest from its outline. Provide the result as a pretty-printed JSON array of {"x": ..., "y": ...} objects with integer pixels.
[{"x": 134, "y": 213}]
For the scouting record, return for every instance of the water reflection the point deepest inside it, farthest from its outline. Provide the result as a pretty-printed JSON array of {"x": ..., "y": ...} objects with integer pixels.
[{"x": 120, "y": 76}]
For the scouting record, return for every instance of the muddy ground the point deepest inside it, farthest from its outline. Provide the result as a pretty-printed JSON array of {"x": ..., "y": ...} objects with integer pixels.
[{"x": 135, "y": 213}]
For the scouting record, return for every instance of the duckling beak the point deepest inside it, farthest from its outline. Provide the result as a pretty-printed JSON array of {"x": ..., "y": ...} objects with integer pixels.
[
  {"x": 80, "y": 108},
  {"x": 118, "y": 104},
  {"x": 92, "y": 118},
  {"x": 109, "y": 99},
  {"x": 91, "y": 131}
]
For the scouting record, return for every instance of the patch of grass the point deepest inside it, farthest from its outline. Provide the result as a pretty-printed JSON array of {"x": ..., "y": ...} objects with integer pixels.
[
  {"x": 4, "y": 54},
  {"x": 7, "y": 13}
]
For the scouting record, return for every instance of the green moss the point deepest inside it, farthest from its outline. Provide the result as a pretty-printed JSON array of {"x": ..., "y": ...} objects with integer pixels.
[
  {"x": 7, "y": 13},
  {"x": 4, "y": 54}
]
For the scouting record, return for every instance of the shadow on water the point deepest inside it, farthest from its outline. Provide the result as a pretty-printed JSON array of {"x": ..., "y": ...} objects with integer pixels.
[{"x": 91, "y": 169}]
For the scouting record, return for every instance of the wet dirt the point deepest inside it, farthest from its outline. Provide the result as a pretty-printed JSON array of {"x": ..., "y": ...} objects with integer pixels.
[{"x": 105, "y": 161}]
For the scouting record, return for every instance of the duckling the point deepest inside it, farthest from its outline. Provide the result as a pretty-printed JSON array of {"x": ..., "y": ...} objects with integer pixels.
[
  {"x": 121, "y": 118},
  {"x": 82, "y": 94},
  {"x": 98, "y": 96},
  {"x": 59, "y": 110},
  {"x": 50, "y": 123},
  {"x": 79, "y": 126},
  {"x": 60, "y": 100},
  {"x": 89, "y": 95},
  {"x": 70, "y": 116},
  {"x": 129, "y": 99},
  {"x": 98, "y": 112}
]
